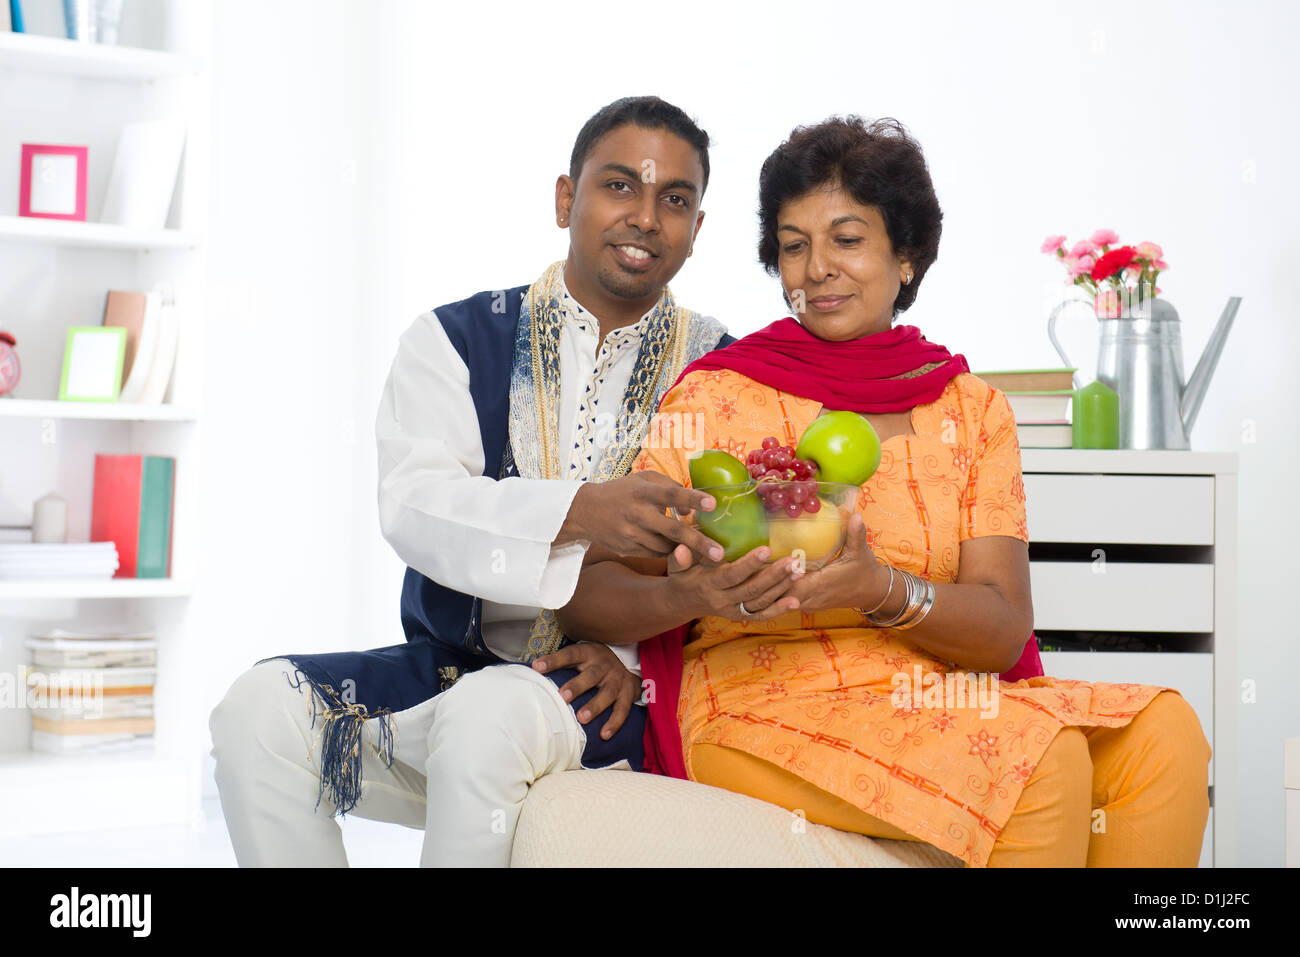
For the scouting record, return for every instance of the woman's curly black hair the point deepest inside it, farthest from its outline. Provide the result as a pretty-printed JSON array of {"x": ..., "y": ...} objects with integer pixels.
[{"x": 880, "y": 165}]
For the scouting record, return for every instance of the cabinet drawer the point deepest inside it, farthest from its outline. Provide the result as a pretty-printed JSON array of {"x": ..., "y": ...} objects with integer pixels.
[
  {"x": 1122, "y": 596},
  {"x": 1120, "y": 509},
  {"x": 1191, "y": 674}
]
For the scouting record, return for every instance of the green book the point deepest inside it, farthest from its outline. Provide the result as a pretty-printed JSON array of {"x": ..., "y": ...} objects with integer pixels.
[{"x": 156, "y": 489}]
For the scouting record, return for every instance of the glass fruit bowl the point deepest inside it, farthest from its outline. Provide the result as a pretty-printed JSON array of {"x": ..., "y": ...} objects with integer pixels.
[{"x": 808, "y": 519}]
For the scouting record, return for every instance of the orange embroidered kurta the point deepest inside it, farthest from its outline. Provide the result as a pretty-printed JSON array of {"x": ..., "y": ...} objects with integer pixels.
[{"x": 821, "y": 694}]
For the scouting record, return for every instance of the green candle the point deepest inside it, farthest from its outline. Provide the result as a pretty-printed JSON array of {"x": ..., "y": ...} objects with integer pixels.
[{"x": 1096, "y": 417}]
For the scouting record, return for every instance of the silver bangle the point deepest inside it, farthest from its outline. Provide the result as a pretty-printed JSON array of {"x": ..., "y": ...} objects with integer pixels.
[
  {"x": 924, "y": 610},
  {"x": 920, "y": 598},
  {"x": 888, "y": 591},
  {"x": 910, "y": 604}
]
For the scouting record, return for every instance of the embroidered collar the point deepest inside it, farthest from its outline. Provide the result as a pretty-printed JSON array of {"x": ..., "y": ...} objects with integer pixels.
[
  {"x": 579, "y": 313},
  {"x": 670, "y": 339}
]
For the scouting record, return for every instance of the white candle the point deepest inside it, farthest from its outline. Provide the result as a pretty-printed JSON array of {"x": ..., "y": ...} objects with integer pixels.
[{"x": 50, "y": 519}]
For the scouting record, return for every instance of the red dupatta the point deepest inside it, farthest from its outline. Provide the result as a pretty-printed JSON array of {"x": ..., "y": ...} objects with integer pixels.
[{"x": 887, "y": 372}]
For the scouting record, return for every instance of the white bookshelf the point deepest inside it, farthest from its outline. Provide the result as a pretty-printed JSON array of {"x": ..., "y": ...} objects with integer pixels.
[
  {"x": 77, "y": 589},
  {"x": 91, "y": 792},
  {"x": 37, "y": 54},
  {"x": 54, "y": 274},
  {"x": 112, "y": 411},
  {"x": 60, "y": 232}
]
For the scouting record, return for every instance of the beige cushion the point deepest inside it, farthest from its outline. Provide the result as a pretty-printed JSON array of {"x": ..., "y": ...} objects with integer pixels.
[{"x": 624, "y": 819}]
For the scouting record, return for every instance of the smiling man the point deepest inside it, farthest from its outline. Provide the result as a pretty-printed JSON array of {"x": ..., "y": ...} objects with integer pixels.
[{"x": 506, "y": 431}]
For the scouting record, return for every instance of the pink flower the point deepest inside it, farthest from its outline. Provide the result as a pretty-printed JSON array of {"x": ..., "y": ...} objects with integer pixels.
[
  {"x": 1053, "y": 243},
  {"x": 1161, "y": 264},
  {"x": 1084, "y": 248},
  {"x": 1106, "y": 304},
  {"x": 1104, "y": 237},
  {"x": 1082, "y": 266},
  {"x": 1149, "y": 251},
  {"x": 1132, "y": 272}
]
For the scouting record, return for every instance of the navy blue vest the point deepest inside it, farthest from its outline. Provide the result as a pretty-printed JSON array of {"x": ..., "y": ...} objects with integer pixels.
[
  {"x": 482, "y": 331},
  {"x": 443, "y": 627}
]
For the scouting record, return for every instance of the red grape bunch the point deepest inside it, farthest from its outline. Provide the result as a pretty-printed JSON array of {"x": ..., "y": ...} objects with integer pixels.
[{"x": 785, "y": 483}]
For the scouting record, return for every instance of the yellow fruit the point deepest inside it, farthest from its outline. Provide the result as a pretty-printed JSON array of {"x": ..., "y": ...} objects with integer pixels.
[{"x": 819, "y": 534}]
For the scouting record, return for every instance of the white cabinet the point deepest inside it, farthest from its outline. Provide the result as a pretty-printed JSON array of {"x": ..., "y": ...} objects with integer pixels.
[{"x": 1134, "y": 550}]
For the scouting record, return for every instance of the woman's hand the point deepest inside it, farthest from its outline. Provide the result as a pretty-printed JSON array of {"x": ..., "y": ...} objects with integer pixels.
[
  {"x": 855, "y": 579},
  {"x": 720, "y": 589},
  {"x": 597, "y": 666}
]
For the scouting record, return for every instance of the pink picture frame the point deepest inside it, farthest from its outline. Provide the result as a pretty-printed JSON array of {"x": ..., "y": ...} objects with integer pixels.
[{"x": 56, "y": 197}]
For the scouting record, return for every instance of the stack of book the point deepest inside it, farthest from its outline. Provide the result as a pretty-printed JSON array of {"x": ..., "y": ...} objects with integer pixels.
[
  {"x": 42, "y": 561},
  {"x": 91, "y": 692},
  {"x": 152, "y": 334},
  {"x": 1040, "y": 401},
  {"x": 132, "y": 508}
]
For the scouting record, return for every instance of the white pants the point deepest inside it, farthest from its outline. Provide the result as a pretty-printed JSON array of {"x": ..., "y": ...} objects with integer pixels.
[{"x": 463, "y": 762}]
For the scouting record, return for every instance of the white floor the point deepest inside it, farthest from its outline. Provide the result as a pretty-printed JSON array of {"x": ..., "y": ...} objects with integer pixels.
[{"x": 369, "y": 844}]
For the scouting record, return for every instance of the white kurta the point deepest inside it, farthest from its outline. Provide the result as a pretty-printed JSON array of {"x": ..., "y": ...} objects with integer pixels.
[{"x": 468, "y": 531}]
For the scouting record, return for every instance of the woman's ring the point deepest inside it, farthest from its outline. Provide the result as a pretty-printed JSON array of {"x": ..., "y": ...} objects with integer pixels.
[{"x": 745, "y": 611}]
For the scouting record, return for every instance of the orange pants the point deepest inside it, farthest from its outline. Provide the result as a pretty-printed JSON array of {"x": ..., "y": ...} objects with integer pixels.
[{"x": 1135, "y": 796}]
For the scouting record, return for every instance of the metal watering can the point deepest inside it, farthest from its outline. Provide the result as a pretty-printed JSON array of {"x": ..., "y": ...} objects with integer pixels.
[{"x": 1140, "y": 356}]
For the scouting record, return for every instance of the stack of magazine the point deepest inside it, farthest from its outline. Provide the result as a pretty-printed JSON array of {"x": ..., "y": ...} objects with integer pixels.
[
  {"x": 50, "y": 561},
  {"x": 91, "y": 691},
  {"x": 1040, "y": 400}
]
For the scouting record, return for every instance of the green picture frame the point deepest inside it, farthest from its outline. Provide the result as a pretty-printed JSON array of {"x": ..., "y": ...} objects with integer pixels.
[{"x": 93, "y": 357}]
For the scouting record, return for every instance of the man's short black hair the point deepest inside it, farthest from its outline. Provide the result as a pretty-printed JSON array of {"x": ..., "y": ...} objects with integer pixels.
[{"x": 647, "y": 112}]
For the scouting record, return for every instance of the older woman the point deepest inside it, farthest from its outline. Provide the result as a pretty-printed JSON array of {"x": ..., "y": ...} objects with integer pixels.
[{"x": 790, "y": 684}]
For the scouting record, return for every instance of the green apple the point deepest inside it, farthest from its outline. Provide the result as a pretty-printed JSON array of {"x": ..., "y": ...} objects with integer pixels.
[
  {"x": 739, "y": 523},
  {"x": 844, "y": 445},
  {"x": 712, "y": 467}
]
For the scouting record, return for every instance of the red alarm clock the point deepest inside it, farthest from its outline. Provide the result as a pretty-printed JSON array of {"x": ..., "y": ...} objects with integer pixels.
[{"x": 10, "y": 369}]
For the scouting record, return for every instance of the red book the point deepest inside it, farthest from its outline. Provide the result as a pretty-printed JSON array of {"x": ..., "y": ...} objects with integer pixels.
[{"x": 132, "y": 508}]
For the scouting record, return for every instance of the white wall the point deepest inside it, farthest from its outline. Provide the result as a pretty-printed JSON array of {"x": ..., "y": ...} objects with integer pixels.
[
  {"x": 285, "y": 432},
  {"x": 371, "y": 161}
]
